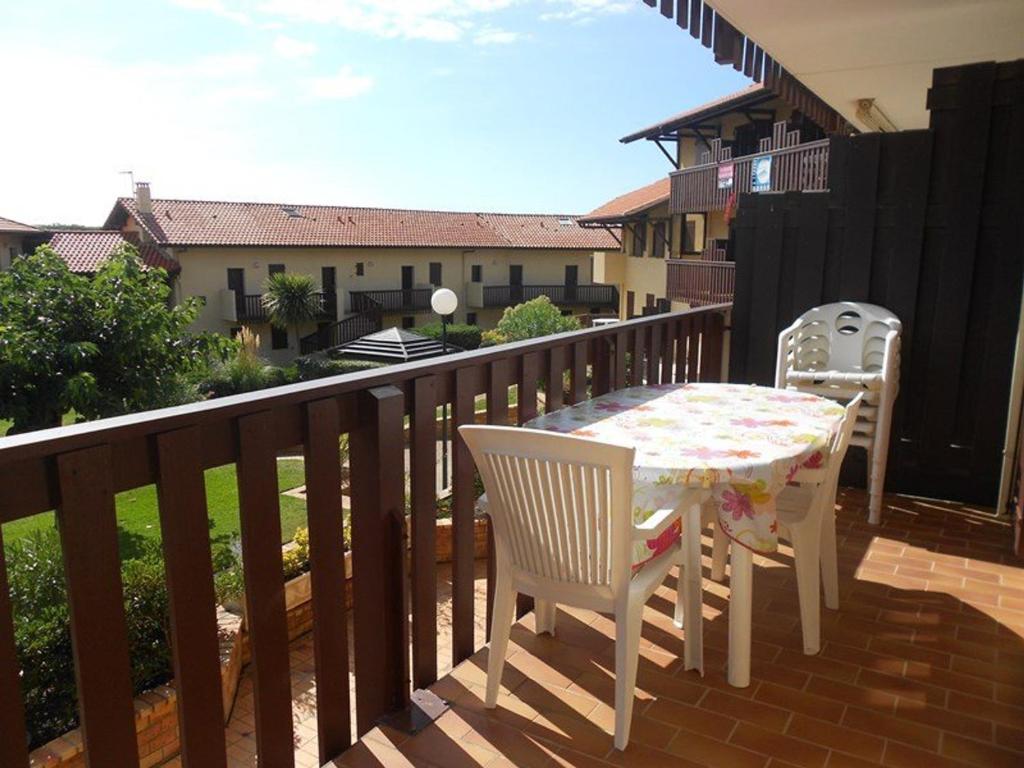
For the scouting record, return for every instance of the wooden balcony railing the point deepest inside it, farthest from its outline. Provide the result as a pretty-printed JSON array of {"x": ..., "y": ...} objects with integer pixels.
[
  {"x": 795, "y": 167},
  {"x": 78, "y": 469},
  {"x": 249, "y": 308},
  {"x": 400, "y": 300},
  {"x": 562, "y": 295},
  {"x": 700, "y": 283}
]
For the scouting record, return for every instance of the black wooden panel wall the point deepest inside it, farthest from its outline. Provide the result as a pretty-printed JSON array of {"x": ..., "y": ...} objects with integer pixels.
[{"x": 927, "y": 223}]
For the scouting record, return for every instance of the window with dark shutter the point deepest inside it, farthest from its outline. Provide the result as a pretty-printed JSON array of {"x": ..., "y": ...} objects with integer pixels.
[{"x": 435, "y": 273}]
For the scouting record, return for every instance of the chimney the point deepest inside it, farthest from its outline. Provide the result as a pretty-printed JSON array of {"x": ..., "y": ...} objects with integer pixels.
[{"x": 142, "y": 199}]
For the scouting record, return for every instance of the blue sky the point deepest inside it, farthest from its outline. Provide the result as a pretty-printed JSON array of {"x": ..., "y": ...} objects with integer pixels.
[{"x": 501, "y": 105}]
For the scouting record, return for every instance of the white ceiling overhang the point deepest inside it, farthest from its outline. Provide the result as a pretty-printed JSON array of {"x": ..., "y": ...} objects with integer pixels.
[{"x": 885, "y": 50}]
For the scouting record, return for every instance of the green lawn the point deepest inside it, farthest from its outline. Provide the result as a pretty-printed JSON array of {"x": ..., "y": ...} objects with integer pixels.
[{"x": 138, "y": 522}]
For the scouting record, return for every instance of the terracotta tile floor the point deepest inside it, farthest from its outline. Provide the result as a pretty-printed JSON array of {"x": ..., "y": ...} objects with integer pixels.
[{"x": 923, "y": 665}]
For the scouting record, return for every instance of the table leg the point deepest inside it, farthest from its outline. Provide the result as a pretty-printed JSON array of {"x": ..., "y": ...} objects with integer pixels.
[
  {"x": 693, "y": 583},
  {"x": 740, "y": 599}
]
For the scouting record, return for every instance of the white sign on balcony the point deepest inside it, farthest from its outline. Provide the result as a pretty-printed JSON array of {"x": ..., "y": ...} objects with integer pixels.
[{"x": 725, "y": 174}]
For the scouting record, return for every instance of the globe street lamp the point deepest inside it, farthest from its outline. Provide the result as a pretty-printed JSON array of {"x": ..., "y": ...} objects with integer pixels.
[{"x": 444, "y": 302}]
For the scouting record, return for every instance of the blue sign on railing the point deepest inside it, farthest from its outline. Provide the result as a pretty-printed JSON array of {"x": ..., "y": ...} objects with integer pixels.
[{"x": 761, "y": 173}]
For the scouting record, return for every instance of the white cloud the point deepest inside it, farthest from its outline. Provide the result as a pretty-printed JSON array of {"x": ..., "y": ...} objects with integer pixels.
[
  {"x": 495, "y": 36},
  {"x": 217, "y": 8},
  {"x": 346, "y": 84},
  {"x": 585, "y": 10},
  {"x": 188, "y": 132},
  {"x": 222, "y": 65},
  {"x": 290, "y": 48}
]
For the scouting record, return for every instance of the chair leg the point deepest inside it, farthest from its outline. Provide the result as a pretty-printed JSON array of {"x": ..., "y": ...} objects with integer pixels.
[
  {"x": 806, "y": 539},
  {"x": 829, "y": 560},
  {"x": 689, "y": 599},
  {"x": 719, "y": 553},
  {"x": 627, "y": 653},
  {"x": 544, "y": 616},
  {"x": 877, "y": 459},
  {"x": 501, "y": 628},
  {"x": 741, "y": 592}
]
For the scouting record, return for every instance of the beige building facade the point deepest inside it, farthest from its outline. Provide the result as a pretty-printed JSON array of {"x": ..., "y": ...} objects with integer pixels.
[
  {"x": 382, "y": 261},
  {"x": 13, "y": 240}
]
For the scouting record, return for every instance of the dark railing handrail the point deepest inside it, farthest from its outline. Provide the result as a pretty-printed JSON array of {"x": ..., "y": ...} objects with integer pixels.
[
  {"x": 250, "y": 306},
  {"x": 587, "y": 293},
  {"x": 394, "y": 299},
  {"x": 77, "y": 470}
]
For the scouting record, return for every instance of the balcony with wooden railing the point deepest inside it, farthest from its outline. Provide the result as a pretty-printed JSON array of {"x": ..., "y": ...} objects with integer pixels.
[
  {"x": 392, "y": 301},
  {"x": 603, "y": 296},
  {"x": 249, "y": 308},
  {"x": 795, "y": 167},
  {"x": 77, "y": 471}
]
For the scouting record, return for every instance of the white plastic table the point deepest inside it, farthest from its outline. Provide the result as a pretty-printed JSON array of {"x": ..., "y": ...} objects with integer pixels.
[{"x": 741, "y": 443}]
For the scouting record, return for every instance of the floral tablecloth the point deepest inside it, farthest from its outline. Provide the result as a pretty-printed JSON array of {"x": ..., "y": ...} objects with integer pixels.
[{"x": 742, "y": 442}]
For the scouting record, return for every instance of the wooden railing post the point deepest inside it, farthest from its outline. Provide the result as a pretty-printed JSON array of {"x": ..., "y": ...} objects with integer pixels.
[
  {"x": 184, "y": 529},
  {"x": 463, "y": 500},
  {"x": 260, "y": 512},
  {"x": 327, "y": 577},
  {"x": 423, "y": 484},
  {"x": 378, "y": 498},
  {"x": 99, "y": 632}
]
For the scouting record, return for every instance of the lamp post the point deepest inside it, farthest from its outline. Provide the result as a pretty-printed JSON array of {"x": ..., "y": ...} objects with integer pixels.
[{"x": 444, "y": 302}]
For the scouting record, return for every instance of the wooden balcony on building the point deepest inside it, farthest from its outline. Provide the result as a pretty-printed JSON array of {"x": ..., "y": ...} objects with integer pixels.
[
  {"x": 250, "y": 308},
  {"x": 597, "y": 296},
  {"x": 392, "y": 301},
  {"x": 794, "y": 167},
  {"x": 699, "y": 282}
]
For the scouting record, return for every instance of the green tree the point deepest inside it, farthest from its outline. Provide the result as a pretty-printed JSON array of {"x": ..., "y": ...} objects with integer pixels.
[
  {"x": 103, "y": 346},
  {"x": 291, "y": 300},
  {"x": 537, "y": 317}
]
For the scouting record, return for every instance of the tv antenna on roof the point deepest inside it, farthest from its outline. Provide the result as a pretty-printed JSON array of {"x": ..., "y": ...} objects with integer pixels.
[{"x": 131, "y": 179}]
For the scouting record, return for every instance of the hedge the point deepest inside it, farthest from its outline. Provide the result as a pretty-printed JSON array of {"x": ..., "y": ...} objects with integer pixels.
[
  {"x": 459, "y": 335},
  {"x": 318, "y": 365},
  {"x": 42, "y": 630}
]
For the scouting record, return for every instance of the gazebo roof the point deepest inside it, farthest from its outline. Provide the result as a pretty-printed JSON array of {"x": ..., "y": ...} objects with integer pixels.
[{"x": 393, "y": 345}]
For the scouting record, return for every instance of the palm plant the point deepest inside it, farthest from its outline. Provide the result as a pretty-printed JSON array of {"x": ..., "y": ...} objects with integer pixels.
[{"x": 291, "y": 300}]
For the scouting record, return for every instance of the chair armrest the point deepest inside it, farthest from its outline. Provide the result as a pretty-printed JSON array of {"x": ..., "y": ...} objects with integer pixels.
[{"x": 660, "y": 521}]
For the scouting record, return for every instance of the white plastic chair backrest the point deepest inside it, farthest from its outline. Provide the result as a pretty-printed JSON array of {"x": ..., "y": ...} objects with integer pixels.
[
  {"x": 560, "y": 505},
  {"x": 845, "y": 336},
  {"x": 841, "y": 442}
]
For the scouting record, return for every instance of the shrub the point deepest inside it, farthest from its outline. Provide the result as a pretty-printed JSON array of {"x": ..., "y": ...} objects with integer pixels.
[
  {"x": 459, "y": 335},
  {"x": 244, "y": 371},
  {"x": 445, "y": 504},
  {"x": 537, "y": 317},
  {"x": 318, "y": 365},
  {"x": 42, "y": 630}
]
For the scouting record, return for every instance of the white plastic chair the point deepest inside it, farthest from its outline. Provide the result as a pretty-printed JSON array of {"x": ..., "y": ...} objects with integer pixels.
[
  {"x": 807, "y": 519},
  {"x": 561, "y": 509},
  {"x": 839, "y": 351}
]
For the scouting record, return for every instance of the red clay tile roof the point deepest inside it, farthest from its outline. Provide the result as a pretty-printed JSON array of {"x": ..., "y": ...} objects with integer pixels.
[
  {"x": 200, "y": 222},
  {"x": 85, "y": 250},
  {"x": 630, "y": 204},
  {"x": 755, "y": 92},
  {"x": 9, "y": 225}
]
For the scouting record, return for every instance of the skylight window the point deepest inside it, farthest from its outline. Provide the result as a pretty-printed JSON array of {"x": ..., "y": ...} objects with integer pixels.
[
  {"x": 565, "y": 222},
  {"x": 291, "y": 212}
]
